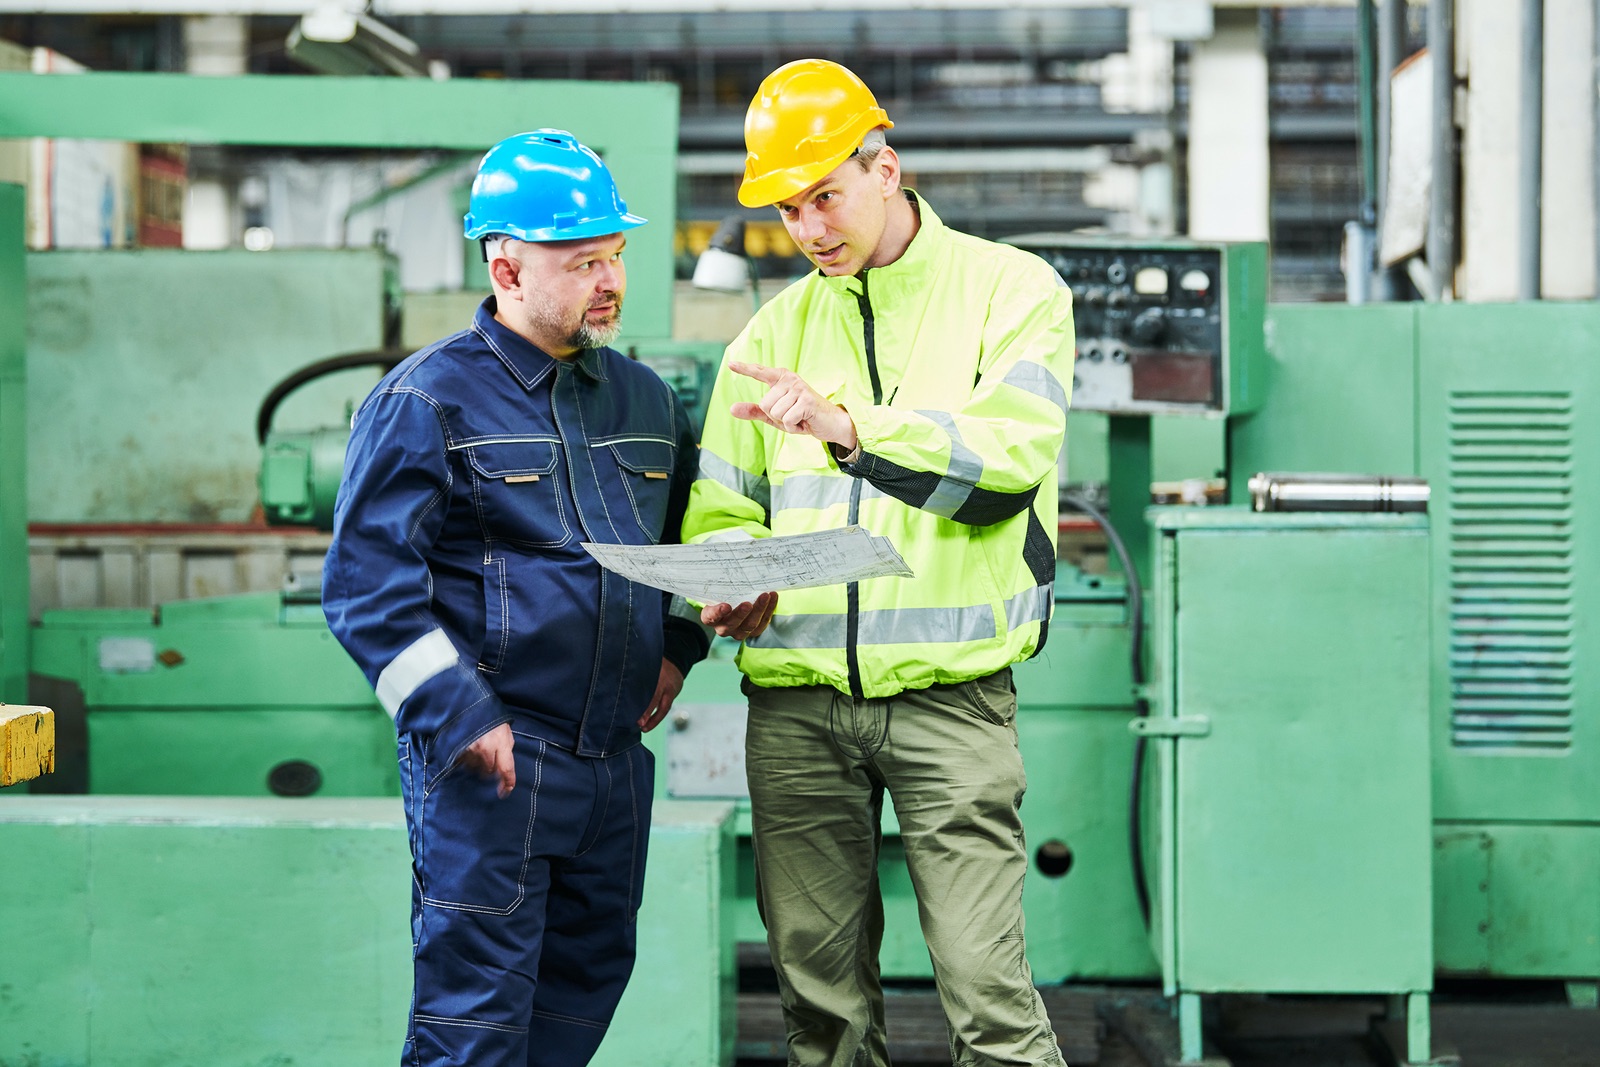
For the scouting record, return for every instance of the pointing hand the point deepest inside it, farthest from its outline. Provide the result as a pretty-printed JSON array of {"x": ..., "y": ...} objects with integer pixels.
[{"x": 794, "y": 407}]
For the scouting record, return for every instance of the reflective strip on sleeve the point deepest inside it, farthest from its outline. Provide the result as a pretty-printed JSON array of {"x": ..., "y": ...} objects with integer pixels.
[
  {"x": 422, "y": 659},
  {"x": 965, "y": 468},
  {"x": 1030, "y": 605},
  {"x": 750, "y": 486},
  {"x": 1035, "y": 379}
]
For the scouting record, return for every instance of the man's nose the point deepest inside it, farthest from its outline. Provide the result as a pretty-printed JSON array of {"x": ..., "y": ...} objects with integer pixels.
[
  {"x": 610, "y": 277},
  {"x": 808, "y": 226}
]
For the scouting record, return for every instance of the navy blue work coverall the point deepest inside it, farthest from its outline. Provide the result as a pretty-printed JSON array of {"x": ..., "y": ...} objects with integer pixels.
[{"x": 457, "y": 582}]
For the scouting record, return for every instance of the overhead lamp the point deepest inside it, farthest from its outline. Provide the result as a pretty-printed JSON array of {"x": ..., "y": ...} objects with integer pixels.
[
  {"x": 724, "y": 266},
  {"x": 331, "y": 40}
]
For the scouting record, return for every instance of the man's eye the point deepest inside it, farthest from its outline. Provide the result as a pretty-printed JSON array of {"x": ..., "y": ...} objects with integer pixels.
[{"x": 586, "y": 264}]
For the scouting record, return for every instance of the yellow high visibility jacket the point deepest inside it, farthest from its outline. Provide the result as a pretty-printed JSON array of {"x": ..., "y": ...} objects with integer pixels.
[{"x": 954, "y": 361}]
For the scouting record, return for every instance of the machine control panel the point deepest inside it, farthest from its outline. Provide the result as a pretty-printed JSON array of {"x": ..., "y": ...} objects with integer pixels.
[{"x": 1153, "y": 324}]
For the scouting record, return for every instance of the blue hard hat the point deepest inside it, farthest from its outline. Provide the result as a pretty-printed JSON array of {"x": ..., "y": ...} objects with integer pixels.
[{"x": 545, "y": 186}]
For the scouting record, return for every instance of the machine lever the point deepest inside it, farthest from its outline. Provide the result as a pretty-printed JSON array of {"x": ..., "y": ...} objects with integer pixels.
[{"x": 1183, "y": 726}]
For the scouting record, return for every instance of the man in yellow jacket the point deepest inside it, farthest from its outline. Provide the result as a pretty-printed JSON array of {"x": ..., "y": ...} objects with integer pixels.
[{"x": 914, "y": 384}]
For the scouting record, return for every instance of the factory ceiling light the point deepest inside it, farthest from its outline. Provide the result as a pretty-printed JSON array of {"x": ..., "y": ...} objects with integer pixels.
[{"x": 331, "y": 40}]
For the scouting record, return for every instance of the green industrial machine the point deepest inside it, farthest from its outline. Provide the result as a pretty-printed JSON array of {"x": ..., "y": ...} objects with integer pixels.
[
  {"x": 1289, "y": 793},
  {"x": 234, "y": 696},
  {"x": 273, "y": 929},
  {"x": 202, "y": 931},
  {"x": 1493, "y": 404},
  {"x": 301, "y": 469},
  {"x": 250, "y": 695},
  {"x": 1170, "y": 330}
]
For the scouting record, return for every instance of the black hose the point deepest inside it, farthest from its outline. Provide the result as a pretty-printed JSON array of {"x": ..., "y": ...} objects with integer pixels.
[
  {"x": 386, "y": 358},
  {"x": 1135, "y": 602}
]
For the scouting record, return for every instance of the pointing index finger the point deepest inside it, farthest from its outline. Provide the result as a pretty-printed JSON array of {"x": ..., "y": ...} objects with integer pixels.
[{"x": 769, "y": 375}]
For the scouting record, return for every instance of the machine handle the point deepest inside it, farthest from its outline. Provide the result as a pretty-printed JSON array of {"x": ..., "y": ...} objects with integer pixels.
[{"x": 1183, "y": 726}]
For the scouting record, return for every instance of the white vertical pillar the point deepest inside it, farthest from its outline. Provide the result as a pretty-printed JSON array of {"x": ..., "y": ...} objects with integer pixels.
[
  {"x": 1141, "y": 81},
  {"x": 1567, "y": 249},
  {"x": 216, "y": 45},
  {"x": 1489, "y": 39},
  {"x": 1229, "y": 164}
]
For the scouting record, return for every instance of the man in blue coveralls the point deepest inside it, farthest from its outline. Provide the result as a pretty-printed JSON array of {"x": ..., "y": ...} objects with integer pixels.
[{"x": 518, "y": 672}]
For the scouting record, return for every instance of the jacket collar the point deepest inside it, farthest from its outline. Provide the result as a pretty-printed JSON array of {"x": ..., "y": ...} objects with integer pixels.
[
  {"x": 524, "y": 359},
  {"x": 909, "y": 272}
]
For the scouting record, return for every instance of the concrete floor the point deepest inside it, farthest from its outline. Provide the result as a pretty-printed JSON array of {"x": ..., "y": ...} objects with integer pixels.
[{"x": 1506, "y": 1025}]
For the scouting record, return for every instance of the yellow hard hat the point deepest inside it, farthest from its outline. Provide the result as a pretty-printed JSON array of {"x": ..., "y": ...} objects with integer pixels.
[{"x": 806, "y": 119}]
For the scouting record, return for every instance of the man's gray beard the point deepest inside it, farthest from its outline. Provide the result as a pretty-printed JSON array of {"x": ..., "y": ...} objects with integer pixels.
[
  {"x": 591, "y": 336},
  {"x": 549, "y": 319}
]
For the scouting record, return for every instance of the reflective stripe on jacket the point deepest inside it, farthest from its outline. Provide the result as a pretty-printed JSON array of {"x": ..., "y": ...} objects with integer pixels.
[
  {"x": 456, "y": 578},
  {"x": 952, "y": 362}
]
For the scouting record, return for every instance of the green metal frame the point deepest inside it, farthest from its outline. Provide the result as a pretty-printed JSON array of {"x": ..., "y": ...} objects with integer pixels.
[
  {"x": 633, "y": 125},
  {"x": 13, "y": 451}
]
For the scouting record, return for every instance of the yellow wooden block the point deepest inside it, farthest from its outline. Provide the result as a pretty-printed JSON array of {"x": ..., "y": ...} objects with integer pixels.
[{"x": 27, "y": 742}]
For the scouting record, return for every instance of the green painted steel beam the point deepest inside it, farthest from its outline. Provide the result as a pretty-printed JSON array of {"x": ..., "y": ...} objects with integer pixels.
[
  {"x": 13, "y": 451},
  {"x": 619, "y": 117},
  {"x": 633, "y": 125}
]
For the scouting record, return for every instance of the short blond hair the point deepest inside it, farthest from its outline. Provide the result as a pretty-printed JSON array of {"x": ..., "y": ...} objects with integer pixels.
[{"x": 873, "y": 143}]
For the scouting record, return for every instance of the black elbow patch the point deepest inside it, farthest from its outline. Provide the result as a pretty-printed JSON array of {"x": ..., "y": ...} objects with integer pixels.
[
  {"x": 985, "y": 507},
  {"x": 902, "y": 483},
  {"x": 1039, "y": 551}
]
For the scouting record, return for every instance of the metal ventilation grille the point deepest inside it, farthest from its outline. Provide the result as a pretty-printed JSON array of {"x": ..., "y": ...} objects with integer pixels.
[{"x": 1511, "y": 600}]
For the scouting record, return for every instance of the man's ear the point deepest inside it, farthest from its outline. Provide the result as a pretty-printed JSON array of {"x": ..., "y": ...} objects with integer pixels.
[
  {"x": 888, "y": 166},
  {"x": 506, "y": 272}
]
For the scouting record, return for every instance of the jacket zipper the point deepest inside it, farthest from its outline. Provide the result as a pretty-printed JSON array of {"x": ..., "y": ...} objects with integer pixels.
[{"x": 852, "y": 594}]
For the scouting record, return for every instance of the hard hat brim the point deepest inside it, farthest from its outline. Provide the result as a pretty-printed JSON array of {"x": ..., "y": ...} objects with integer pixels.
[
  {"x": 774, "y": 186},
  {"x": 596, "y": 227},
  {"x": 779, "y": 185}
]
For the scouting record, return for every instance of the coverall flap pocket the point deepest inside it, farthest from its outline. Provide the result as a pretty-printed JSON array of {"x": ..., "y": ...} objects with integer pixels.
[
  {"x": 518, "y": 492},
  {"x": 476, "y": 845},
  {"x": 645, "y": 455},
  {"x": 645, "y": 466},
  {"x": 512, "y": 459}
]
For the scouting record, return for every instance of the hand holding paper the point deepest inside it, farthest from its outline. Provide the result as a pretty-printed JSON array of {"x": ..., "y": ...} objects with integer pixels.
[{"x": 735, "y": 572}]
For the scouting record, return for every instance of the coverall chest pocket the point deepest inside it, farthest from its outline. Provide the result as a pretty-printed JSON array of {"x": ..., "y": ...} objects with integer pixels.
[
  {"x": 644, "y": 469},
  {"x": 518, "y": 492}
]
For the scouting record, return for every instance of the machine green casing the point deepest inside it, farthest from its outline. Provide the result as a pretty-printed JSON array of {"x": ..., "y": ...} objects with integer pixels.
[
  {"x": 1289, "y": 825},
  {"x": 1496, "y": 405},
  {"x": 237, "y": 932}
]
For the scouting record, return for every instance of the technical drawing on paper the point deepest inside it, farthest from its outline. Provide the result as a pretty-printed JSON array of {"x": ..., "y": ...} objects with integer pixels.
[{"x": 735, "y": 571}]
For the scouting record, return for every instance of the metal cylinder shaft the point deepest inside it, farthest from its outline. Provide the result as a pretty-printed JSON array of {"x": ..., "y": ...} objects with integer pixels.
[
  {"x": 1530, "y": 154},
  {"x": 1441, "y": 239},
  {"x": 1271, "y": 491}
]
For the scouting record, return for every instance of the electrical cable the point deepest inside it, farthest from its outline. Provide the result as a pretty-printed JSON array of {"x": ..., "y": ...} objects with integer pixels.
[
  {"x": 1135, "y": 607},
  {"x": 385, "y": 358}
]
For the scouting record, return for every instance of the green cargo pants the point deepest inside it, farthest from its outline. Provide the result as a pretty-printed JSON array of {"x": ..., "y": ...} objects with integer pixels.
[{"x": 819, "y": 764}]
